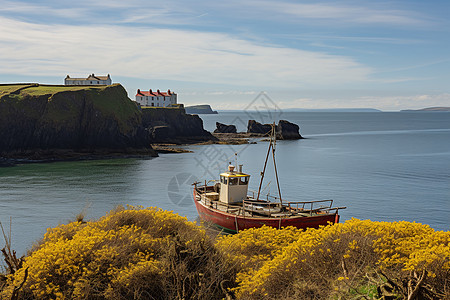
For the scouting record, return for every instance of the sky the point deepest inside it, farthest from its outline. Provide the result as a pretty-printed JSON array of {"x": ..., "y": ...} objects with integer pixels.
[{"x": 389, "y": 55}]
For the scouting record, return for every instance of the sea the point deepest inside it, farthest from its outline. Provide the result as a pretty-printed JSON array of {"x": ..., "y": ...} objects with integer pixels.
[{"x": 382, "y": 166}]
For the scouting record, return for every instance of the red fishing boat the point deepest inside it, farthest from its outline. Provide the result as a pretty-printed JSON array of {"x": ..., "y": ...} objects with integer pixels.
[{"x": 227, "y": 203}]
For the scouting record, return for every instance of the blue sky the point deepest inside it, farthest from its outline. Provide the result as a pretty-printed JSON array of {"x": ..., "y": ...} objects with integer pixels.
[{"x": 388, "y": 55}]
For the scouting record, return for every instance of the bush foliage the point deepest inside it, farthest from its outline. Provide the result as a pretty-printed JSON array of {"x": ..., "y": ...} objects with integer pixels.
[
  {"x": 353, "y": 260},
  {"x": 129, "y": 254},
  {"x": 149, "y": 253}
]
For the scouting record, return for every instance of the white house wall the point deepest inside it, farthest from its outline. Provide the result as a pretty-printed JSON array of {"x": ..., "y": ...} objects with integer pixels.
[{"x": 156, "y": 101}]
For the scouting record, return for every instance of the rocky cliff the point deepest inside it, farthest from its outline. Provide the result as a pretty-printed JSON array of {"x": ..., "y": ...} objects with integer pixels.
[
  {"x": 41, "y": 117},
  {"x": 173, "y": 125}
]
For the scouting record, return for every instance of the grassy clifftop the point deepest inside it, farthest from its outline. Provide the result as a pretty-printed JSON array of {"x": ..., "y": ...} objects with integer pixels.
[
  {"x": 34, "y": 116},
  {"x": 107, "y": 99}
]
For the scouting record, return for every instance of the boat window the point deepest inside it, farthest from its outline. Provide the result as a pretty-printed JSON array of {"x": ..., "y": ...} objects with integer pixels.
[
  {"x": 223, "y": 179},
  {"x": 243, "y": 180},
  {"x": 233, "y": 181}
]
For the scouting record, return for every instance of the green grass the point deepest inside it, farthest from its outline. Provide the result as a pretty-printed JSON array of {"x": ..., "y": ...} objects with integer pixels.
[
  {"x": 38, "y": 90},
  {"x": 8, "y": 89},
  {"x": 48, "y": 89}
]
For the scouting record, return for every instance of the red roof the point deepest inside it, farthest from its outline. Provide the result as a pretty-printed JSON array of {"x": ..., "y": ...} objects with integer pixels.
[{"x": 153, "y": 93}]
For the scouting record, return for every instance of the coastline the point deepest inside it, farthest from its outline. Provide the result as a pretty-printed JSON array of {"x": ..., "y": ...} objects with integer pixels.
[{"x": 59, "y": 155}]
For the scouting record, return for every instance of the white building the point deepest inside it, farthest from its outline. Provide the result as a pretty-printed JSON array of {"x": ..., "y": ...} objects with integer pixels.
[
  {"x": 90, "y": 80},
  {"x": 156, "y": 99}
]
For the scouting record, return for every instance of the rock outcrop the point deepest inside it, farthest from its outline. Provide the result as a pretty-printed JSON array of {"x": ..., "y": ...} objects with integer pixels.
[
  {"x": 86, "y": 119},
  {"x": 173, "y": 125},
  {"x": 285, "y": 130},
  {"x": 223, "y": 128},
  {"x": 256, "y": 127}
]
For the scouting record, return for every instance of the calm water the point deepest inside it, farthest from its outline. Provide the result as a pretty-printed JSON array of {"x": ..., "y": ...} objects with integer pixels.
[{"x": 382, "y": 166}]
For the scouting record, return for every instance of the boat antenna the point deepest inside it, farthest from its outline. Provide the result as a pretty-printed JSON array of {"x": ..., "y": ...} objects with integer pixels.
[{"x": 272, "y": 142}]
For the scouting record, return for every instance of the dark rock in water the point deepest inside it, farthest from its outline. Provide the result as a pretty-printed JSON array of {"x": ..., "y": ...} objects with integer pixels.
[
  {"x": 37, "y": 117},
  {"x": 285, "y": 130},
  {"x": 256, "y": 127},
  {"x": 173, "y": 125},
  {"x": 223, "y": 128}
]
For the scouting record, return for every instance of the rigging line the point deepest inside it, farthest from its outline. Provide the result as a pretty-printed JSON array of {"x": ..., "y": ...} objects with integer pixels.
[
  {"x": 264, "y": 171},
  {"x": 265, "y": 188},
  {"x": 276, "y": 174}
]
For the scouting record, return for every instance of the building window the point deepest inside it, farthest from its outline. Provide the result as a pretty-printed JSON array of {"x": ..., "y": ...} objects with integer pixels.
[{"x": 153, "y": 104}]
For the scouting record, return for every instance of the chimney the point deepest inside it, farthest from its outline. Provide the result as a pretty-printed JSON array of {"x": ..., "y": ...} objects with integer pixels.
[
  {"x": 150, "y": 91},
  {"x": 139, "y": 91},
  {"x": 240, "y": 168},
  {"x": 159, "y": 92}
]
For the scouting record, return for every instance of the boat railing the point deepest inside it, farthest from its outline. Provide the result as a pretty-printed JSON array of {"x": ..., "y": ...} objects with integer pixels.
[
  {"x": 305, "y": 205},
  {"x": 295, "y": 207},
  {"x": 249, "y": 205}
]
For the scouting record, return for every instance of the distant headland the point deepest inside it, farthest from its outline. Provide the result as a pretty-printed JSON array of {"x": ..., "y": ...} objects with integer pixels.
[
  {"x": 440, "y": 108},
  {"x": 200, "y": 109}
]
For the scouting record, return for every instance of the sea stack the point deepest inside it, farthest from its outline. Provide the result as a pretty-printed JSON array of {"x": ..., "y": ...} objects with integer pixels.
[{"x": 285, "y": 130}]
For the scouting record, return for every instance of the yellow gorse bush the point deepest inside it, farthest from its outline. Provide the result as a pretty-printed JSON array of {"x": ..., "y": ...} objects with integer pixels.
[
  {"x": 336, "y": 252},
  {"x": 113, "y": 257},
  {"x": 138, "y": 253}
]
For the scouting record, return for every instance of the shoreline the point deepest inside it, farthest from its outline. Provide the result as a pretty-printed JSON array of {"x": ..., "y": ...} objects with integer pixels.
[{"x": 12, "y": 159}]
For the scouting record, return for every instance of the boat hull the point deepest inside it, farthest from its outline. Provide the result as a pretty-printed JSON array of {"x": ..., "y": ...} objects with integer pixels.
[{"x": 235, "y": 223}]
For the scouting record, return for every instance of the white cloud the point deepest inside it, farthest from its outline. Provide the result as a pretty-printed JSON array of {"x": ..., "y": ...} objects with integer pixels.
[
  {"x": 19, "y": 8},
  {"x": 169, "y": 54},
  {"x": 181, "y": 12},
  {"x": 338, "y": 13}
]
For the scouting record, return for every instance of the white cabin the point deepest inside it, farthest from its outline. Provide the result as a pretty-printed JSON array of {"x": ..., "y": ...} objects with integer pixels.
[
  {"x": 90, "y": 80},
  {"x": 233, "y": 186}
]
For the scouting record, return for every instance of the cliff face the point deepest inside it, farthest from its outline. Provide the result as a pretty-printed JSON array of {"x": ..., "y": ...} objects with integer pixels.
[
  {"x": 76, "y": 118},
  {"x": 173, "y": 125}
]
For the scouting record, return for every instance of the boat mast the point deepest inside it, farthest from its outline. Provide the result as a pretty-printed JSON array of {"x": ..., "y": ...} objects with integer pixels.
[
  {"x": 272, "y": 143},
  {"x": 274, "y": 164}
]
